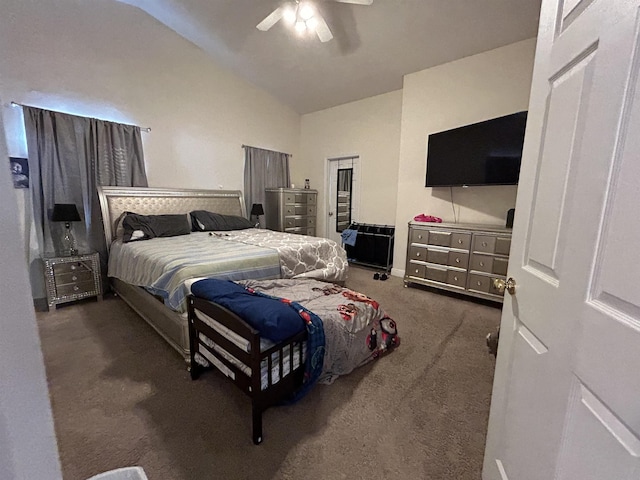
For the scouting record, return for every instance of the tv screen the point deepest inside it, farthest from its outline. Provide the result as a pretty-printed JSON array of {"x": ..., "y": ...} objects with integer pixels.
[{"x": 485, "y": 153}]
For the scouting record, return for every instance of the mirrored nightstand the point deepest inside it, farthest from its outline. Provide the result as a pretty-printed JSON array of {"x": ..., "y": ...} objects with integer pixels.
[{"x": 72, "y": 278}]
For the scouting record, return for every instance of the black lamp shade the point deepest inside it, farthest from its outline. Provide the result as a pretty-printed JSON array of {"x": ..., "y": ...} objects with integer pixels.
[
  {"x": 256, "y": 209},
  {"x": 65, "y": 212}
]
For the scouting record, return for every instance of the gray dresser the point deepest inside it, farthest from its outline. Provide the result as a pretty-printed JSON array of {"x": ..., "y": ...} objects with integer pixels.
[
  {"x": 291, "y": 210},
  {"x": 464, "y": 258}
]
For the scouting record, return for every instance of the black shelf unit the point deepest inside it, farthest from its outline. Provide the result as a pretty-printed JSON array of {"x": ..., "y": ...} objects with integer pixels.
[{"x": 373, "y": 246}]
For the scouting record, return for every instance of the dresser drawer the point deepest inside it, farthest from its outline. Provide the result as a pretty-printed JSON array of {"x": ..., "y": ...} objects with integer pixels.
[
  {"x": 458, "y": 259},
  {"x": 290, "y": 198},
  {"x": 416, "y": 270},
  {"x": 310, "y": 210},
  {"x": 503, "y": 245},
  {"x": 439, "y": 238},
  {"x": 489, "y": 264},
  {"x": 311, "y": 231},
  {"x": 70, "y": 267},
  {"x": 311, "y": 221},
  {"x": 419, "y": 236},
  {"x": 295, "y": 209},
  {"x": 479, "y": 283},
  {"x": 484, "y": 243},
  {"x": 293, "y": 222},
  {"x": 298, "y": 230},
  {"x": 75, "y": 288},
  {"x": 74, "y": 277},
  {"x": 418, "y": 253},
  {"x": 461, "y": 240},
  {"x": 438, "y": 256},
  {"x": 457, "y": 279},
  {"x": 437, "y": 274}
]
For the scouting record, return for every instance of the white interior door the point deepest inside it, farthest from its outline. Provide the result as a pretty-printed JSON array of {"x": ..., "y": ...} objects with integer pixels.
[
  {"x": 338, "y": 214},
  {"x": 566, "y": 397}
]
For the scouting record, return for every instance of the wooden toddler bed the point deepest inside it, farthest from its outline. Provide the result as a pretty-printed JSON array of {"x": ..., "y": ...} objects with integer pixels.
[
  {"x": 329, "y": 331},
  {"x": 289, "y": 380}
]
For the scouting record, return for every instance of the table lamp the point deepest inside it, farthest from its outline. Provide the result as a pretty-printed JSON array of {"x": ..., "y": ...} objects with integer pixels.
[
  {"x": 67, "y": 213},
  {"x": 257, "y": 210}
]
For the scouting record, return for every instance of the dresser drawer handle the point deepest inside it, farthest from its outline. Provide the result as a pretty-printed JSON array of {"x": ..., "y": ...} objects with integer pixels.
[
  {"x": 482, "y": 264},
  {"x": 417, "y": 254},
  {"x": 455, "y": 279},
  {"x": 479, "y": 283},
  {"x": 417, "y": 270},
  {"x": 74, "y": 278},
  {"x": 76, "y": 288},
  {"x": 484, "y": 244},
  {"x": 73, "y": 267},
  {"x": 457, "y": 261},
  {"x": 419, "y": 237},
  {"x": 460, "y": 241}
]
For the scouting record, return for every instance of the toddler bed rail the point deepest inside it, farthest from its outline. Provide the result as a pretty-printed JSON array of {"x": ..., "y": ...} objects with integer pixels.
[{"x": 268, "y": 374}]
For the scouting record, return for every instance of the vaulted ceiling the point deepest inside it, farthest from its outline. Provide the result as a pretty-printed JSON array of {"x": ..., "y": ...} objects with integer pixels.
[{"x": 372, "y": 49}]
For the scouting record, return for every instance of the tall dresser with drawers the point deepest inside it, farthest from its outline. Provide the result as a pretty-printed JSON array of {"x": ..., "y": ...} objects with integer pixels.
[
  {"x": 291, "y": 210},
  {"x": 464, "y": 258}
]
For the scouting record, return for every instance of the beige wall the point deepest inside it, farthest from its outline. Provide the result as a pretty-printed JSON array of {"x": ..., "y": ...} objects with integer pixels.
[
  {"x": 369, "y": 128},
  {"x": 469, "y": 90},
  {"x": 112, "y": 61}
]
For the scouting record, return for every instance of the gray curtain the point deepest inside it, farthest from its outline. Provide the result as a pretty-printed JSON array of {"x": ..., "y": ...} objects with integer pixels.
[
  {"x": 263, "y": 169},
  {"x": 69, "y": 157}
]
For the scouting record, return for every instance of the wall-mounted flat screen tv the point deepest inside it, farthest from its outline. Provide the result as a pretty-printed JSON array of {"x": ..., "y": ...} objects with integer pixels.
[{"x": 484, "y": 153}]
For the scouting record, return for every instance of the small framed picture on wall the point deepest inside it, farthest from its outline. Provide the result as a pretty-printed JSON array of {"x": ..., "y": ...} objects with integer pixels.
[{"x": 19, "y": 172}]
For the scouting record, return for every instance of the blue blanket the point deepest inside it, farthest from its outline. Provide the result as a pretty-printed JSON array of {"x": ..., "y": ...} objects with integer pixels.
[
  {"x": 349, "y": 236},
  {"x": 275, "y": 318}
]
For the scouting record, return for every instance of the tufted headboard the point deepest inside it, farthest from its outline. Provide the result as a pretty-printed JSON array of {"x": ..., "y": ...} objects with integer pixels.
[{"x": 114, "y": 201}]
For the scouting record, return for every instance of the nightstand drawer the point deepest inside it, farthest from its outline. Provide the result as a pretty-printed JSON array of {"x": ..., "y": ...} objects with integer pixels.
[
  {"x": 74, "y": 277},
  {"x": 75, "y": 288},
  {"x": 60, "y": 268}
]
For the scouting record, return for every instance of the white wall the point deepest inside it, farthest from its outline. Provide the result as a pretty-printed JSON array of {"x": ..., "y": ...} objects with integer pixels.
[
  {"x": 112, "y": 61},
  {"x": 369, "y": 128},
  {"x": 28, "y": 446},
  {"x": 483, "y": 86}
]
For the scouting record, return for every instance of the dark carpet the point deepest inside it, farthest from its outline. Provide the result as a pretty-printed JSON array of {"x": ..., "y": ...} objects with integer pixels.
[{"x": 121, "y": 396}]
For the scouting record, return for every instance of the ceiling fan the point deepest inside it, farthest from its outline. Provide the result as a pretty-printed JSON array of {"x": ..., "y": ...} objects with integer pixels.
[{"x": 304, "y": 16}]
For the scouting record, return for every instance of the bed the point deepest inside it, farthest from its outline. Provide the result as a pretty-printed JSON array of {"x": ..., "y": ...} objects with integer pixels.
[
  {"x": 160, "y": 297},
  {"x": 276, "y": 338}
]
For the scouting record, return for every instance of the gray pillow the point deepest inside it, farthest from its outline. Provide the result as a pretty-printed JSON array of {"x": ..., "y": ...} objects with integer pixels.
[
  {"x": 145, "y": 227},
  {"x": 204, "y": 221}
]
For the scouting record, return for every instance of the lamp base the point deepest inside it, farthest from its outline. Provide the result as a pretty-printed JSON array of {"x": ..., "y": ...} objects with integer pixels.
[{"x": 68, "y": 242}]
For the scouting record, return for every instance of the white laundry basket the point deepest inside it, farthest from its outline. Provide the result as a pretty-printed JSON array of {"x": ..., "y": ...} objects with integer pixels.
[{"x": 127, "y": 473}]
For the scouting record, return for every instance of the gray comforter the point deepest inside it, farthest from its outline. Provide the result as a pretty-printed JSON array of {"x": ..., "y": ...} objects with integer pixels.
[
  {"x": 357, "y": 329},
  {"x": 300, "y": 255}
]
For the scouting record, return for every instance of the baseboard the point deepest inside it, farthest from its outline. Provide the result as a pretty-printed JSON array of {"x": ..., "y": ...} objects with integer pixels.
[
  {"x": 396, "y": 272},
  {"x": 40, "y": 305}
]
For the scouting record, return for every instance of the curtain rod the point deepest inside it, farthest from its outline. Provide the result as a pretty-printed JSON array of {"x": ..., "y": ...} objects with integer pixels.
[
  {"x": 268, "y": 150},
  {"x": 16, "y": 104}
]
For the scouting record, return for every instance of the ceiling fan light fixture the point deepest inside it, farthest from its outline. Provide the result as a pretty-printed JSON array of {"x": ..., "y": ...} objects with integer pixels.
[
  {"x": 301, "y": 26},
  {"x": 312, "y": 23},
  {"x": 306, "y": 11},
  {"x": 289, "y": 15}
]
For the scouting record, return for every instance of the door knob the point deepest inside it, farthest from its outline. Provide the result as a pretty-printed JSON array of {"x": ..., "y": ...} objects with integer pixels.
[
  {"x": 501, "y": 285},
  {"x": 331, "y": 214}
]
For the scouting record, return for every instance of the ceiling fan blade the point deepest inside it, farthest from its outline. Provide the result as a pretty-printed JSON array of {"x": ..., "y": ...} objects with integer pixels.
[
  {"x": 356, "y": 2},
  {"x": 271, "y": 19},
  {"x": 322, "y": 29}
]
